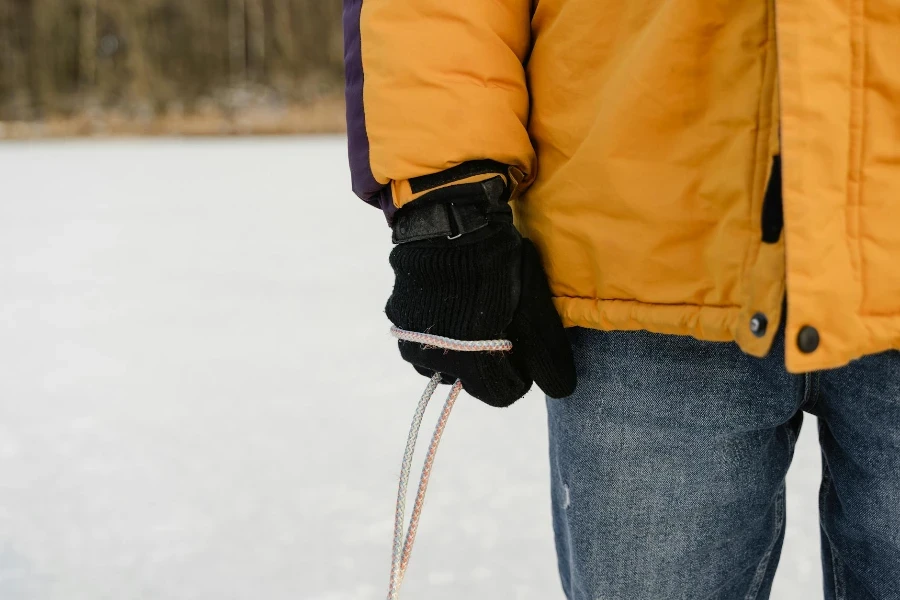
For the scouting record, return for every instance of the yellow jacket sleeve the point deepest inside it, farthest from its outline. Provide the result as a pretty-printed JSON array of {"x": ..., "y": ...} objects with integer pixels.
[{"x": 434, "y": 86}]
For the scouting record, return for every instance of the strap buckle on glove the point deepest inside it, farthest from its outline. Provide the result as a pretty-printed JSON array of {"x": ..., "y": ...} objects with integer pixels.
[{"x": 473, "y": 207}]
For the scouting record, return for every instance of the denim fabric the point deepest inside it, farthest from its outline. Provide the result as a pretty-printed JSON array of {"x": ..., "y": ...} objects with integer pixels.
[{"x": 669, "y": 464}]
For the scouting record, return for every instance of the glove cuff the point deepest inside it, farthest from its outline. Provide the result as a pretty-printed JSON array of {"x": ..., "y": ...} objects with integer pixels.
[{"x": 466, "y": 291}]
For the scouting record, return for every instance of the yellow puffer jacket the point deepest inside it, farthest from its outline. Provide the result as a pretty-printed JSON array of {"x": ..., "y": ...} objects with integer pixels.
[{"x": 646, "y": 134}]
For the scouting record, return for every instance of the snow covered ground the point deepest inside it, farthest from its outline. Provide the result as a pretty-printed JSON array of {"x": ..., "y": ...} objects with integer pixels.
[{"x": 199, "y": 399}]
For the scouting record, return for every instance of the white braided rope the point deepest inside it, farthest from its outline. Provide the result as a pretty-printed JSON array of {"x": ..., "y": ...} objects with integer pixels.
[
  {"x": 437, "y": 341},
  {"x": 402, "y": 548}
]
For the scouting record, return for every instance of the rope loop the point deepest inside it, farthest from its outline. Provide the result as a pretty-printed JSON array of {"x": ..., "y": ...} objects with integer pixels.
[
  {"x": 437, "y": 341},
  {"x": 403, "y": 544}
]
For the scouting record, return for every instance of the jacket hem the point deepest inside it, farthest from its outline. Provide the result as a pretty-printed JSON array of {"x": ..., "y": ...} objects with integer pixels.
[{"x": 704, "y": 322}]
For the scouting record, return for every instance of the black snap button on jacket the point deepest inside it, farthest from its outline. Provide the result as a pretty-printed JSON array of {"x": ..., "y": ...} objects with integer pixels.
[
  {"x": 758, "y": 324},
  {"x": 808, "y": 339}
]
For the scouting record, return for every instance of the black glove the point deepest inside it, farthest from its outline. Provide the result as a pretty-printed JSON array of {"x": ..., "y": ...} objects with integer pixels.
[{"x": 484, "y": 285}]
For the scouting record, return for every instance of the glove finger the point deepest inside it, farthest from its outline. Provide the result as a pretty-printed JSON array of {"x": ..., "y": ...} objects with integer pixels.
[
  {"x": 493, "y": 378},
  {"x": 537, "y": 334}
]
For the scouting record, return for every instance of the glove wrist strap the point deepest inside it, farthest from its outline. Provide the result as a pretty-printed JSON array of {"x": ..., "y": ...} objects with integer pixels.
[{"x": 453, "y": 212}]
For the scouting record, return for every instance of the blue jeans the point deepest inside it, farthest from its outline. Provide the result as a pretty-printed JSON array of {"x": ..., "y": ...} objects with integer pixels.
[{"x": 669, "y": 464}]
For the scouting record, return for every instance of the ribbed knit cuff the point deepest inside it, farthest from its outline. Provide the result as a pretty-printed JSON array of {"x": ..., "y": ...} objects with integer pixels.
[{"x": 464, "y": 291}]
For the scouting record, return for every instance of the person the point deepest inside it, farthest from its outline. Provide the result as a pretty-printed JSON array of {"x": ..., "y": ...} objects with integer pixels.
[{"x": 706, "y": 196}]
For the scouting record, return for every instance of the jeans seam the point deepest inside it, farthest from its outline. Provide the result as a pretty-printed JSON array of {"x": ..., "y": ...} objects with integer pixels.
[
  {"x": 812, "y": 386},
  {"x": 837, "y": 572},
  {"x": 806, "y": 389},
  {"x": 756, "y": 584},
  {"x": 792, "y": 442},
  {"x": 564, "y": 517},
  {"x": 837, "y": 567},
  {"x": 817, "y": 391}
]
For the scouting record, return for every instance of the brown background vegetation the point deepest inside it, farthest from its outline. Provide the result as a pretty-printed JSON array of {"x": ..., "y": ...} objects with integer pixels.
[{"x": 169, "y": 66}]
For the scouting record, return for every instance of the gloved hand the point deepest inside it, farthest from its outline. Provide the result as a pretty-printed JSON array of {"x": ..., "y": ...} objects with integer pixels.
[{"x": 484, "y": 285}]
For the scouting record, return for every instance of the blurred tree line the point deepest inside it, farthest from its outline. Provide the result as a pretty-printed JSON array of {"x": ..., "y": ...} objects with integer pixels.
[{"x": 149, "y": 57}]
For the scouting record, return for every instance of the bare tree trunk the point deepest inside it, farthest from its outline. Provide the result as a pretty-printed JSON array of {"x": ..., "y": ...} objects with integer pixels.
[
  {"x": 256, "y": 38},
  {"x": 8, "y": 54},
  {"x": 237, "y": 41},
  {"x": 284, "y": 32},
  {"x": 139, "y": 89},
  {"x": 87, "y": 44},
  {"x": 42, "y": 65}
]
